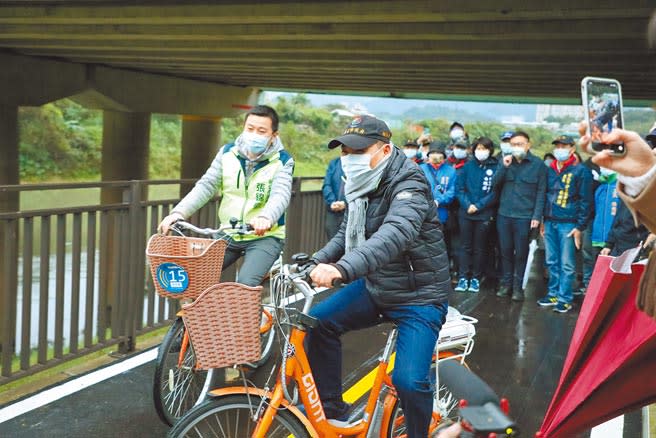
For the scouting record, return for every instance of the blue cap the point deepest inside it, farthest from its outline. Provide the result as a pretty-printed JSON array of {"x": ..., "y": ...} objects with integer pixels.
[{"x": 507, "y": 135}]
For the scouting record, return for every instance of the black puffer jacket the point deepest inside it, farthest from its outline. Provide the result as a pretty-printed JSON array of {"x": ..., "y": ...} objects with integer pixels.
[{"x": 404, "y": 258}]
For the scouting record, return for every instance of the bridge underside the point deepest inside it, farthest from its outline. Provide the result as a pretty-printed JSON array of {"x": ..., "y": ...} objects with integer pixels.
[{"x": 511, "y": 50}]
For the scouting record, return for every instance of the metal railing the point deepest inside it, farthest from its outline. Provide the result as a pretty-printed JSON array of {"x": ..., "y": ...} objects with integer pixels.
[{"x": 74, "y": 279}]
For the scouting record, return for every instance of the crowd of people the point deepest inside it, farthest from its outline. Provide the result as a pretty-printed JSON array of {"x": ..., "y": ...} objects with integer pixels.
[{"x": 492, "y": 202}]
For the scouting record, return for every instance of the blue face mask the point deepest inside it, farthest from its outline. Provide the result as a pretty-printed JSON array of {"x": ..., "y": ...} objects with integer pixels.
[
  {"x": 506, "y": 149},
  {"x": 561, "y": 154},
  {"x": 256, "y": 144}
]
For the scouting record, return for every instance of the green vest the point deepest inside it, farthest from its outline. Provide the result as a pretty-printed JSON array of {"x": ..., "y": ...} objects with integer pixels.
[{"x": 245, "y": 199}]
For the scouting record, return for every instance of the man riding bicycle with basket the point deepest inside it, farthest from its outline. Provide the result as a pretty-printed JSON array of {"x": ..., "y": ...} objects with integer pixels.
[
  {"x": 254, "y": 177},
  {"x": 390, "y": 249}
]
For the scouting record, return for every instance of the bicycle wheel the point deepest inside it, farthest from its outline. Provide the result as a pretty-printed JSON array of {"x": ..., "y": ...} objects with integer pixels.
[
  {"x": 230, "y": 417},
  {"x": 176, "y": 388}
]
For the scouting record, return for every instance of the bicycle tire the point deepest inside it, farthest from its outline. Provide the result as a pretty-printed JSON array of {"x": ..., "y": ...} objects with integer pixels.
[
  {"x": 457, "y": 382},
  {"x": 231, "y": 416},
  {"x": 176, "y": 389}
]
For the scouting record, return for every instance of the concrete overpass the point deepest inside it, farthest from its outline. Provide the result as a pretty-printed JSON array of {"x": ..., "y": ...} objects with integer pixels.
[{"x": 206, "y": 60}]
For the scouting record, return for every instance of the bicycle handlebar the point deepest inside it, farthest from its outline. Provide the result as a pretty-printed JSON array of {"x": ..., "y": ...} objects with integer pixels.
[{"x": 243, "y": 229}]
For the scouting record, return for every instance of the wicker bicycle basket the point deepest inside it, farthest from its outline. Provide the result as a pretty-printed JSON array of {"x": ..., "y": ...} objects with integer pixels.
[
  {"x": 199, "y": 260},
  {"x": 224, "y": 325}
]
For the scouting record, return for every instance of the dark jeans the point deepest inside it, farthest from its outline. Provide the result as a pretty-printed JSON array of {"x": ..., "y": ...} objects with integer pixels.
[
  {"x": 259, "y": 256},
  {"x": 513, "y": 240},
  {"x": 333, "y": 221},
  {"x": 351, "y": 308},
  {"x": 473, "y": 246},
  {"x": 590, "y": 254}
]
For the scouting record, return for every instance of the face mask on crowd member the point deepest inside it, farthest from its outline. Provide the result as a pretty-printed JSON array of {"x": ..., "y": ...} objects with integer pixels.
[
  {"x": 562, "y": 152},
  {"x": 520, "y": 144},
  {"x": 459, "y": 153},
  {"x": 456, "y": 130},
  {"x": 410, "y": 152},
  {"x": 548, "y": 159},
  {"x": 506, "y": 149},
  {"x": 482, "y": 152},
  {"x": 563, "y": 147}
]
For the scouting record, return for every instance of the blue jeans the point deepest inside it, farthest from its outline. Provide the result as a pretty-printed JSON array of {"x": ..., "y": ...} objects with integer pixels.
[
  {"x": 352, "y": 308},
  {"x": 513, "y": 241},
  {"x": 561, "y": 259}
]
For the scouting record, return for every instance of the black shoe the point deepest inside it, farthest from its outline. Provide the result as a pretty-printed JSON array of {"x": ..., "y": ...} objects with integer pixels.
[
  {"x": 504, "y": 291},
  {"x": 518, "y": 295}
]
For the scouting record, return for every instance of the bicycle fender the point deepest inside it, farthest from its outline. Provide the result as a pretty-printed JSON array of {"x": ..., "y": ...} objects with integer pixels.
[{"x": 257, "y": 392}]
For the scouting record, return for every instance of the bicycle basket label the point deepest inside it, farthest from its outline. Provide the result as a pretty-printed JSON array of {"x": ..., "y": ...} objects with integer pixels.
[{"x": 173, "y": 278}]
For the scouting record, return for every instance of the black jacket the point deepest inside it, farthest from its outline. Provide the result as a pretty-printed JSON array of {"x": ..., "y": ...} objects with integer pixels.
[
  {"x": 404, "y": 258},
  {"x": 624, "y": 234},
  {"x": 522, "y": 188}
]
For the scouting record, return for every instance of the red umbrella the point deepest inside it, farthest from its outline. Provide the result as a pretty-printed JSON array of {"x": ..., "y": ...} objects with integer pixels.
[{"x": 611, "y": 360}]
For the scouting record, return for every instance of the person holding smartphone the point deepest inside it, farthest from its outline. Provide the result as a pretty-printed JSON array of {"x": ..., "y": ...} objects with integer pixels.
[{"x": 636, "y": 186}]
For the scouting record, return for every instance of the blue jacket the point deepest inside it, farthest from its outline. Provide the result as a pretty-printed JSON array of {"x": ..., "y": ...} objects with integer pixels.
[
  {"x": 607, "y": 203},
  {"x": 569, "y": 195},
  {"x": 522, "y": 188},
  {"x": 442, "y": 182},
  {"x": 474, "y": 186},
  {"x": 333, "y": 183}
]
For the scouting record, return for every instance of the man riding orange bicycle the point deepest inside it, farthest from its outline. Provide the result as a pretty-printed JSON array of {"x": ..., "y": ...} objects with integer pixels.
[{"x": 391, "y": 250}]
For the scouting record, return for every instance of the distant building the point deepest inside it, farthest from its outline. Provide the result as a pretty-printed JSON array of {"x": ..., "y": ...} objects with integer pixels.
[{"x": 544, "y": 111}]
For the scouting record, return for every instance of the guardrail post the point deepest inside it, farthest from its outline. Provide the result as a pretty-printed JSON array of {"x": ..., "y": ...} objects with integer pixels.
[{"x": 9, "y": 270}]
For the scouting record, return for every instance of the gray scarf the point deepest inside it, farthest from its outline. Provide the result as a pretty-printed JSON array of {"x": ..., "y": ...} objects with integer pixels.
[{"x": 356, "y": 190}]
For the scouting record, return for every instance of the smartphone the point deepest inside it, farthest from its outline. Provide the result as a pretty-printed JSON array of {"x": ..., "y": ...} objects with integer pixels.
[{"x": 602, "y": 106}]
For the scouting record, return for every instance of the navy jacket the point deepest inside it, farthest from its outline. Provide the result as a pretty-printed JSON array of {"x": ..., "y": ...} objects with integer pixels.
[
  {"x": 333, "y": 184},
  {"x": 404, "y": 258},
  {"x": 569, "y": 196},
  {"x": 474, "y": 186},
  {"x": 522, "y": 188}
]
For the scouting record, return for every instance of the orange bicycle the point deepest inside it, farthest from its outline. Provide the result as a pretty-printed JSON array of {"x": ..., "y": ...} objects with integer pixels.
[{"x": 244, "y": 411}]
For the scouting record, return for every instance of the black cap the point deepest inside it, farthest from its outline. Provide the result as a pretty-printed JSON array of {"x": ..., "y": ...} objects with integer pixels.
[
  {"x": 412, "y": 143},
  {"x": 461, "y": 142},
  {"x": 564, "y": 139},
  {"x": 362, "y": 132},
  {"x": 454, "y": 124}
]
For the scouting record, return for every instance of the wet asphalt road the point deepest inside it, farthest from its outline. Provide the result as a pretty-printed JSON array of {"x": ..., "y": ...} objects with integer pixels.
[{"x": 519, "y": 351}]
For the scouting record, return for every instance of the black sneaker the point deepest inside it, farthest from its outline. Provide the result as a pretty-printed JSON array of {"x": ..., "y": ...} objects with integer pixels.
[{"x": 562, "y": 307}]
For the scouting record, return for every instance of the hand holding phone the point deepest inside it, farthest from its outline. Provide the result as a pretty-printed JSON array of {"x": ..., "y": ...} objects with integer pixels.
[{"x": 602, "y": 106}]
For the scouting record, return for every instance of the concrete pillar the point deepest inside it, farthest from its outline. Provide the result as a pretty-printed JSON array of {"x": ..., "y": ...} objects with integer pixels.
[
  {"x": 201, "y": 138},
  {"x": 9, "y": 201},
  {"x": 125, "y": 150},
  {"x": 125, "y": 147}
]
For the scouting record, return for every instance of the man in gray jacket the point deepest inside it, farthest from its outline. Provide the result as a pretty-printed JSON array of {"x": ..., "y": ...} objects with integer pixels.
[
  {"x": 253, "y": 175},
  {"x": 391, "y": 251}
]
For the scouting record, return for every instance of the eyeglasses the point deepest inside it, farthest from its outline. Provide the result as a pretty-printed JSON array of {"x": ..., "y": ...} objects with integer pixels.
[{"x": 521, "y": 145}]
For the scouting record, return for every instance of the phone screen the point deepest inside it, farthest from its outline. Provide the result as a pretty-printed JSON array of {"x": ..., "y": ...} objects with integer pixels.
[{"x": 603, "y": 100}]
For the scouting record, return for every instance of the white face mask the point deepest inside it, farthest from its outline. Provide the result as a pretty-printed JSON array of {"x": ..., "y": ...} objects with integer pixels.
[
  {"x": 459, "y": 153},
  {"x": 518, "y": 152},
  {"x": 506, "y": 149},
  {"x": 456, "y": 133},
  {"x": 410, "y": 153},
  {"x": 561, "y": 154},
  {"x": 482, "y": 155},
  {"x": 355, "y": 165}
]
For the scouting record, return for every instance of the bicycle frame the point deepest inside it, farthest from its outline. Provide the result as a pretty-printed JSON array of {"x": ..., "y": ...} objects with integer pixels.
[{"x": 298, "y": 368}]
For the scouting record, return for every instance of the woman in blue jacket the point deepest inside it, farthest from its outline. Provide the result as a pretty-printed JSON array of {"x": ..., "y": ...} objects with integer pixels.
[
  {"x": 442, "y": 181},
  {"x": 477, "y": 210}
]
